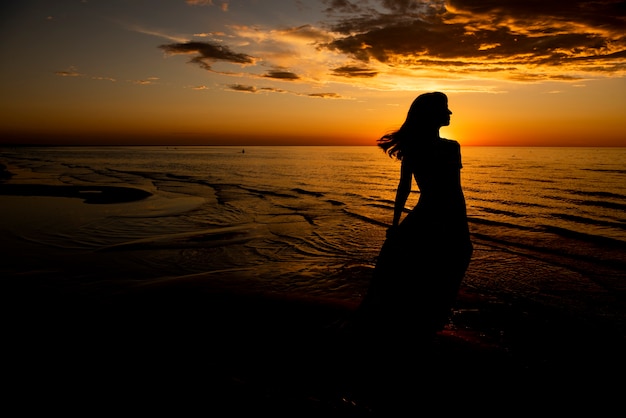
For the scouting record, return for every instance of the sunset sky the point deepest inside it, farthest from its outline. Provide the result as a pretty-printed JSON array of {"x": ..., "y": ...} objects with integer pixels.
[{"x": 245, "y": 72}]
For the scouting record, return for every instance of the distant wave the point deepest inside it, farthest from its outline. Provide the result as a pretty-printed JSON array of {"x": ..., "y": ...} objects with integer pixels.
[
  {"x": 596, "y": 193},
  {"x": 586, "y": 202},
  {"x": 604, "y": 204},
  {"x": 510, "y": 202},
  {"x": 534, "y": 180},
  {"x": 366, "y": 218},
  {"x": 597, "y": 239},
  {"x": 590, "y": 221},
  {"x": 307, "y": 192},
  {"x": 216, "y": 237},
  {"x": 602, "y": 170},
  {"x": 483, "y": 221},
  {"x": 335, "y": 202},
  {"x": 263, "y": 193},
  {"x": 502, "y": 212}
]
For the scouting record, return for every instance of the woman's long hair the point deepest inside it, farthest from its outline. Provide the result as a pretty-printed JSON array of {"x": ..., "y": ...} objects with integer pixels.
[{"x": 396, "y": 144}]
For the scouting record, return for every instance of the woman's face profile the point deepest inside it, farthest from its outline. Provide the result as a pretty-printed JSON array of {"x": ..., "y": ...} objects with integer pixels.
[{"x": 441, "y": 115}]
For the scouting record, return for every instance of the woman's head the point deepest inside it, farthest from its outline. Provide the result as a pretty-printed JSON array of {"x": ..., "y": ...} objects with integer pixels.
[
  {"x": 428, "y": 110},
  {"x": 428, "y": 113}
]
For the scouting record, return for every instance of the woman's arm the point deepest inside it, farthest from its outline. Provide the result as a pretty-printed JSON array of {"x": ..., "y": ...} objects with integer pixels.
[{"x": 402, "y": 193}]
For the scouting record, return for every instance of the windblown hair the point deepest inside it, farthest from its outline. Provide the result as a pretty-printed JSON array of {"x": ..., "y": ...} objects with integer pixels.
[{"x": 396, "y": 144}]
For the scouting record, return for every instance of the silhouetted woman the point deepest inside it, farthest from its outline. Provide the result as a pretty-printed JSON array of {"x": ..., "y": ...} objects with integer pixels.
[{"x": 425, "y": 256}]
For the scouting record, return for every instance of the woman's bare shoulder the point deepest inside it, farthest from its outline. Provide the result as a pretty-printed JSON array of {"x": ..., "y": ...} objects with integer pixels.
[{"x": 450, "y": 142}]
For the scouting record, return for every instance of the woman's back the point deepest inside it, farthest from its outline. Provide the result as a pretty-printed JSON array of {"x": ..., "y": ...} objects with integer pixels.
[{"x": 436, "y": 168}]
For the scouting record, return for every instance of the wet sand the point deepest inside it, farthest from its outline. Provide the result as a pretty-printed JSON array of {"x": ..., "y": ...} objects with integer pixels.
[
  {"x": 89, "y": 194},
  {"x": 213, "y": 346}
]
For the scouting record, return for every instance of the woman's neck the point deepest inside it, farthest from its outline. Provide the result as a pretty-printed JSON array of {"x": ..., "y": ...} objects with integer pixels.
[{"x": 432, "y": 133}]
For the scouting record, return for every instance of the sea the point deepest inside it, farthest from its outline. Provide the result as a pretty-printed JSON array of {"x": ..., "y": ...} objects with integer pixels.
[{"x": 548, "y": 224}]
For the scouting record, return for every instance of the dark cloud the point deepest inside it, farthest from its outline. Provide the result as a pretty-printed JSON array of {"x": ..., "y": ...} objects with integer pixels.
[
  {"x": 68, "y": 73},
  {"x": 514, "y": 39},
  {"x": 325, "y": 95},
  {"x": 516, "y": 34},
  {"x": 253, "y": 89},
  {"x": 207, "y": 53},
  {"x": 408, "y": 6},
  {"x": 354, "y": 71},
  {"x": 241, "y": 87},
  {"x": 341, "y": 6},
  {"x": 281, "y": 75},
  {"x": 307, "y": 32},
  {"x": 608, "y": 14},
  {"x": 273, "y": 90}
]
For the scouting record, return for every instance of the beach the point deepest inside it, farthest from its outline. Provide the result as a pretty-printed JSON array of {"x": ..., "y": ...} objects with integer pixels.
[
  {"x": 232, "y": 352},
  {"x": 116, "y": 320},
  {"x": 265, "y": 352}
]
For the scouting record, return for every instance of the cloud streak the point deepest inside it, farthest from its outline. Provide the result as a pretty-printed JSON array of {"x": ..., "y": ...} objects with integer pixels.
[
  {"x": 206, "y": 53},
  {"x": 354, "y": 71},
  {"x": 223, "y": 4},
  {"x": 244, "y": 88},
  {"x": 380, "y": 42},
  {"x": 72, "y": 71}
]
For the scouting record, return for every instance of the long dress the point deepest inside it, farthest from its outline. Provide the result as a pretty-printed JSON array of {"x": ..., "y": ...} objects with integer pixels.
[{"x": 421, "y": 265}]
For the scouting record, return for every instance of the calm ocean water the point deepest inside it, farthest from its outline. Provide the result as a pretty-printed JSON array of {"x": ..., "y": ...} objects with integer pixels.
[{"x": 549, "y": 224}]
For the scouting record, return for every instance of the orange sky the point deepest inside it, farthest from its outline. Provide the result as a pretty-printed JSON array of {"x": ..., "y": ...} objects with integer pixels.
[{"x": 320, "y": 72}]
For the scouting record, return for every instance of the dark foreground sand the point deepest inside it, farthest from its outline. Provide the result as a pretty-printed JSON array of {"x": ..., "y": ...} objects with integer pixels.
[
  {"x": 217, "y": 351},
  {"x": 185, "y": 343}
]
